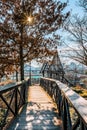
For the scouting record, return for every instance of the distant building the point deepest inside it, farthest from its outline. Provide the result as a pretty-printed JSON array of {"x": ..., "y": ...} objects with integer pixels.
[
  {"x": 54, "y": 68},
  {"x": 63, "y": 68}
]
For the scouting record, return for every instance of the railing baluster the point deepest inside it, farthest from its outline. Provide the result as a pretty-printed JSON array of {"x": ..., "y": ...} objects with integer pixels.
[
  {"x": 6, "y": 114},
  {"x": 65, "y": 116},
  {"x": 65, "y": 98},
  {"x": 14, "y": 96},
  {"x": 59, "y": 102},
  {"x": 7, "y": 105},
  {"x": 76, "y": 124},
  {"x": 24, "y": 95},
  {"x": 81, "y": 125},
  {"x": 16, "y": 103}
]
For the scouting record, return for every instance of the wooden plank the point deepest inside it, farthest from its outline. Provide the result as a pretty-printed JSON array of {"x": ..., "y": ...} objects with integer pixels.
[
  {"x": 11, "y": 86},
  {"x": 78, "y": 102},
  {"x": 39, "y": 114}
]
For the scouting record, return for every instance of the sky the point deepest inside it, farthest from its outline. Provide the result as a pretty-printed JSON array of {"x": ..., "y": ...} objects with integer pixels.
[
  {"x": 35, "y": 64},
  {"x": 74, "y": 8}
]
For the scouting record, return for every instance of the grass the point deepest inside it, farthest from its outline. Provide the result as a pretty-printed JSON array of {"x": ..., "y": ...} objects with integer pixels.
[
  {"x": 81, "y": 91},
  {"x": 3, "y": 107},
  {"x": 5, "y": 82}
]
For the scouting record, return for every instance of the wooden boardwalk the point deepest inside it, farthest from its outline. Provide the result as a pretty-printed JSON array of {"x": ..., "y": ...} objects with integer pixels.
[{"x": 40, "y": 113}]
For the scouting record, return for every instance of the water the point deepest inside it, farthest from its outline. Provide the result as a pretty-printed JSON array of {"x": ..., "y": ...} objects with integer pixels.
[{"x": 34, "y": 78}]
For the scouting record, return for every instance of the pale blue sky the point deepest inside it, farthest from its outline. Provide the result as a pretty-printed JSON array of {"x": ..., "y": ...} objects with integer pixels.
[{"x": 73, "y": 7}]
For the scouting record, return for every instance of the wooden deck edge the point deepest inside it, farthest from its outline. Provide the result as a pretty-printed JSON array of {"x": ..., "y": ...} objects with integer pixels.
[{"x": 9, "y": 123}]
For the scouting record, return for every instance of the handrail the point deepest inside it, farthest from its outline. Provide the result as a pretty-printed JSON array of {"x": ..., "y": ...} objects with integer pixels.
[
  {"x": 66, "y": 99},
  {"x": 12, "y": 98}
]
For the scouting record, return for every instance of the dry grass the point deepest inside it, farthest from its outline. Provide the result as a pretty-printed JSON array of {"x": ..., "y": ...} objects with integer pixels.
[
  {"x": 5, "y": 82},
  {"x": 3, "y": 107},
  {"x": 81, "y": 91}
]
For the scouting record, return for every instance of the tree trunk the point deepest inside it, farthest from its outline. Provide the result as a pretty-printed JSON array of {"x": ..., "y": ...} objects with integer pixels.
[
  {"x": 16, "y": 75},
  {"x": 21, "y": 56}
]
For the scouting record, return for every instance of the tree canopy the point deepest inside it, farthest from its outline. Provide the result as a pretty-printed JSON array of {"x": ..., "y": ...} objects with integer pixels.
[
  {"x": 77, "y": 28},
  {"x": 21, "y": 40},
  {"x": 83, "y": 4}
]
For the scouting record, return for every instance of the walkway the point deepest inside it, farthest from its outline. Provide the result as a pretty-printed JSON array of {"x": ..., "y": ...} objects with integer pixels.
[{"x": 39, "y": 114}]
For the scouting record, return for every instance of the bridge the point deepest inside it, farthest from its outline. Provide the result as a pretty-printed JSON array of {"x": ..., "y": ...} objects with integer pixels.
[{"x": 50, "y": 105}]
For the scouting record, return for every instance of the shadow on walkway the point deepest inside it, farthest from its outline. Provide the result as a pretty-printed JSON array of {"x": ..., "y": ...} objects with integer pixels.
[{"x": 38, "y": 114}]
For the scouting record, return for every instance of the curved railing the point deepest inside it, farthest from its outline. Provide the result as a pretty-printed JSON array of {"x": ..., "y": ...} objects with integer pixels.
[
  {"x": 12, "y": 98},
  {"x": 71, "y": 106}
]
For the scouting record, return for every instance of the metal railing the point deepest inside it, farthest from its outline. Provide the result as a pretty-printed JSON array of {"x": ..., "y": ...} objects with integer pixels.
[
  {"x": 71, "y": 106},
  {"x": 12, "y": 98}
]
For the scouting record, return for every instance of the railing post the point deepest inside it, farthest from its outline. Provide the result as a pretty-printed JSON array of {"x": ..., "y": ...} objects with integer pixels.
[
  {"x": 66, "y": 98},
  {"x": 13, "y": 97},
  {"x": 16, "y": 104},
  {"x": 66, "y": 117},
  {"x": 82, "y": 125},
  {"x": 24, "y": 92},
  {"x": 59, "y": 101}
]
